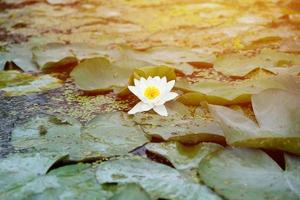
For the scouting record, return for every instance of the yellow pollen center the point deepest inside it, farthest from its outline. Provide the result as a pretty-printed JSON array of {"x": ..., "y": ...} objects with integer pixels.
[{"x": 151, "y": 92}]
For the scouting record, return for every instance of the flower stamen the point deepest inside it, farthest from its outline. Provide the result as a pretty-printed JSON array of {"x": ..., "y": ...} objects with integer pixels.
[{"x": 151, "y": 92}]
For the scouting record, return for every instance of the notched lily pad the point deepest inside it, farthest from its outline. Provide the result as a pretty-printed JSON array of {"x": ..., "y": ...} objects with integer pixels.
[
  {"x": 104, "y": 136},
  {"x": 14, "y": 83},
  {"x": 114, "y": 134},
  {"x": 180, "y": 126},
  {"x": 20, "y": 56},
  {"x": 69, "y": 182},
  {"x": 183, "y": 156},
  {"x": 54, "y": 56},
  {"x": 132, "y": 192},
  {"x": 224, "y": 93},
  {"x": 99, "y": 74},
  {"x": 158, "y": 180},
  {"x": 278, "y": 122},
  {"x": 250, "y": 174},
  {"x": 271, "y": 60},
  {"x": 18, "y": 169}
]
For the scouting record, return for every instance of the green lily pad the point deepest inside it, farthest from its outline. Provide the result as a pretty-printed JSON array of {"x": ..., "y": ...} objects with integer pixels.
[
  {"x": 250, "y": 174},
  {"x": 114, "y": 134},
  {"x": 17, "y": 169},
  {"x": 132, "y": 192},
  {"x": 158, "y": 180},
  {"x": 20, "y": 86},
  {"x": 181, "y": 156},
  {"x": 69, "y": 182},
  {"x": 225, "y": 93},
  {"x": 54, "y": 56},
  {"x": 52, "y": 134},
  {"x": 179, "y": 58},
  {"x": 103, "y": 136},
  {"x": 271, "y": 60},
  {"x": 14, "y": 78},
  {"x": 180, "y": 126},
  {"x": 19, "y": 55},
  {"x": 278, "y": 117},
  {"x": 98, "y": 74}
]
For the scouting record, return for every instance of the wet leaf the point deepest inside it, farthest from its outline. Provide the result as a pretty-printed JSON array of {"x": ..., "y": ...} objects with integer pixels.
[
  {"x": 158, "y": 180},
  {"x": 180, "y": 126},
  {"x": 14, "y": 78},
  {"x": 250, "y": 174},
  {"x": 17, "y": 169},
  {"x": 103, "y": 136},
  {"x": 132, "y": 192},
  {"x": 114, "y": 133},
  {"x": 277, "y": 113},
  {"x": 98, "y": 74},
  {"x": 54, "y": 56},
  {"x": 179, "y": 58},
  {"x": 183, "y": 156},
  {"x": 271, "y": 60},
  {"x": 69, "y": 182},
  {"x": 225, "y": 93},
  {"x": 19, "y": 55},
  {"x": 37, "y": 84}
]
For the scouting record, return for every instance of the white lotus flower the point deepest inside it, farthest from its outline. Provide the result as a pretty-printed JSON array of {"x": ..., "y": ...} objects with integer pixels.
[{"x": 153, "y": 93}]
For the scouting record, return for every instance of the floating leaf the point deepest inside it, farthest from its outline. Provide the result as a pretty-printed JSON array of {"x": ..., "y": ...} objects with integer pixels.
[
  {"x": 69, "y": 182},
  {"x": 98, "y": 74},
  {"x": 54, "y": 56},
  {"x": 19, "y": 55},
  {"x": 225, "y": 93},
  {"x": 170, "y": 56},
  {"x": 180, "y": 126},
  {"x": 158, "y": 180},
  {"x": 115, "y": 134},
  {"x": 52, "y": 134},
  {"x": 250, "y": 174},
  {"x": 181, "y": 156},
  {"x": 271, "y": 60},
  {"x": 17, "y": 169},
  {"x": 38, "y": 84},
  {"x": 14, "y": 78},
  {"x": 103, "y": 136},
  {"x": 132, "y": 192},
  {"x": 278, "y": 122}
]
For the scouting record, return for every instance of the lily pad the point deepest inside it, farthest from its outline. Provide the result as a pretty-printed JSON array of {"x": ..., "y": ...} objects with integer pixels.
[
  {"x": 53, "y": 56},
  {"x": 158, "y": 180},
  {"x": 98, "y": 74},
  {"x": 103, "y": 136},
  {"x": 19, "y": 55},
  {"x": 52, "y": 134},
  {"x": 14, "y": 78},
  {"x": 271, "y": 60},
  {"x": 132, "y": 192},
  {"x": 278, "y": 117},
  {"x": 114, "y": 134},
  {"x": 182, "y": 156},
  {"x": 225, "y": 93},
  {"x": 250, "y": 174},
  {"x": 69, "y": 182},
  {"x": 179, "y": 58},
  {"x": 17, "y": 169},
  {"x": 180, "y": 126},
  {"x": 37, "y": 84}
]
